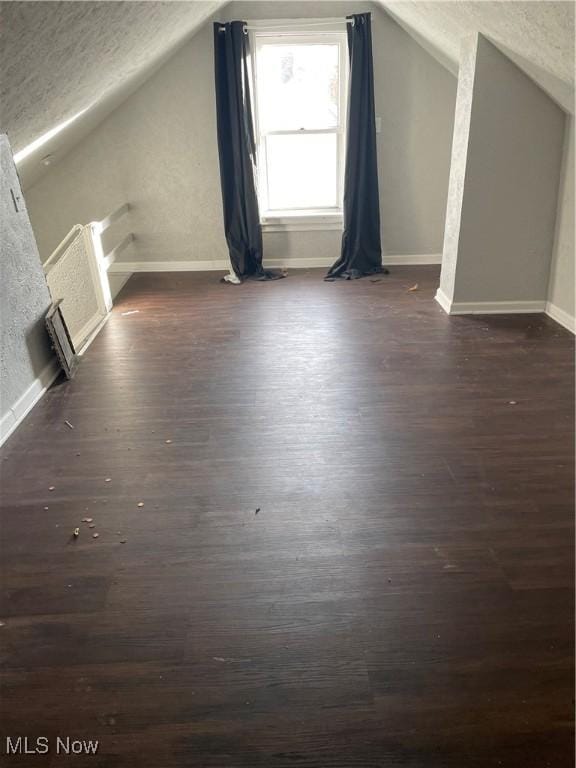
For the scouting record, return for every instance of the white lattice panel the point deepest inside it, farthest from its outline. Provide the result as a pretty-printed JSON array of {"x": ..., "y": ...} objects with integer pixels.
[{"x": 71, "y": 279}]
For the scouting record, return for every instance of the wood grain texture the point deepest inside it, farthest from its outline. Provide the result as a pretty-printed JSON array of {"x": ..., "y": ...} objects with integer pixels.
[{"x": 404, "y": 596}]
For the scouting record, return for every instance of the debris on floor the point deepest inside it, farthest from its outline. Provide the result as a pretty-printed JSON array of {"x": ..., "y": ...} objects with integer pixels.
[
  {"x": 257, "y": 510},
  {"x": 108, "y": 479},
  {"x": 92, "y": 525},
  {"x": 413, "y": 288},
  {"x": 76, "y": 532},
  {"x": 130, "y": 312},
  {"x": 52, "y": 488},
  {"x": 229, "y": 660},
  {"x": 71, "y": 426},
  {"x": 512, "y": 402},
  {"x": 87, "y": 519},
  {"x": 95, "y": 535},
  {"x": 140, "y": 504},
  {"x": 123, "y": 541},
  {"x": 167, "y": 441}
]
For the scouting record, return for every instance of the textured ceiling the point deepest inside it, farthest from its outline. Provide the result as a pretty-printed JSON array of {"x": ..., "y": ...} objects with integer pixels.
[
  {"x": 537, "y": 36},
  {"x": 66, "y": 60},
  {"x": 58, "y": 59}
]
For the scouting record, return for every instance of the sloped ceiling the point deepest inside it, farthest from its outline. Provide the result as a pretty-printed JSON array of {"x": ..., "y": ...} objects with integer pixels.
[
  {"x": 62, "y": 61},
  {"x": 76, "y": 61},
  {"x": 537, "y": 36}
]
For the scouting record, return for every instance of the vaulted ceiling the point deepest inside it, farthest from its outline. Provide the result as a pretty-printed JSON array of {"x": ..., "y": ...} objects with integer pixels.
[
  {"x": 537, "y": 36},
  {"x": 76, "y": 61}
]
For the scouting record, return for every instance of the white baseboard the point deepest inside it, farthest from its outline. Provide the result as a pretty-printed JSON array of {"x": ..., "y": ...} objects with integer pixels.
[
  {"x": 562, "y": 317},
  {"x": 18, "y": 412},
  {"x": 169, "y": 266},
  {"x": 443, "y": 300},
  {"x": 223, "y": 265},
  {"x": 496, "y": 307},
  {"x": 488, "y": 307},
  {"x": 412, "y": 258}
]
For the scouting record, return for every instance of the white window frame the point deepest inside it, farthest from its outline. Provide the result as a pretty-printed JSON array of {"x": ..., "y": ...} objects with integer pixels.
[{"x": 300, "y": 219}]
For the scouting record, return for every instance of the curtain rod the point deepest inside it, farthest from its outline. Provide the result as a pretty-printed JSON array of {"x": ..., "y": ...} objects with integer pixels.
[{"x": 297, "y": 25}]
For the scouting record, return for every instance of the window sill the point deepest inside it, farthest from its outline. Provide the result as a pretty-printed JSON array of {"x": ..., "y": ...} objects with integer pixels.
[{"x": 302, "y": 222}]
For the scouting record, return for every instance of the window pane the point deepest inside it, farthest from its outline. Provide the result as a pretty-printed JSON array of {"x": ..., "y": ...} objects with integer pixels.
[
  {"x": 302, "y": 171},
  {"x": 297, "y": 86}
]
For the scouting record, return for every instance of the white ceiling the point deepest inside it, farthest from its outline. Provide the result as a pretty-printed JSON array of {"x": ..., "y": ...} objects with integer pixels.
[
  {"x": 537, "y": 36},
  {"x": 59, "y": 59},
  {"x": 62, "y": 59}
]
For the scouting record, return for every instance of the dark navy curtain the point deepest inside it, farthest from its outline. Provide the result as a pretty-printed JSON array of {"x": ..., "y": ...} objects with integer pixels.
[
  {"x": 361, "y": 252},
  {"x": 237, "y": 151}
]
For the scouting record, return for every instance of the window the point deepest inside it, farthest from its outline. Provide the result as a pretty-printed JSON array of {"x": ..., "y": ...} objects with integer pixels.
[{"x": 300, "y": 81}]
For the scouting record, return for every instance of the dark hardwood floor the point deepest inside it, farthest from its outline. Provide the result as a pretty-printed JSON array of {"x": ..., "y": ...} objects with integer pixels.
[{"x": 403, "y": 597}]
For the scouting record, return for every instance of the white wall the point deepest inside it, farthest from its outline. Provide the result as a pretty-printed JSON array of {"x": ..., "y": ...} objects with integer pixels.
[
  {"x": 86, "y": 186},
  {"x": 509, "y": 185},
  {"x": 562, "y": 278},
  {"x": 459, "y": 155},
  {"x": 158, "y": 151}
]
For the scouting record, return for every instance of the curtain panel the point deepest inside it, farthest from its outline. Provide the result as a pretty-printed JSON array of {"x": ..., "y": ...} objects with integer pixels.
[{"x": 361, "y": 252}]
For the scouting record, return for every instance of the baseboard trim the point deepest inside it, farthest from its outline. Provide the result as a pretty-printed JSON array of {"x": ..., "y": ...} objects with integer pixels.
[
  {"x": 488, "y": 307},
  {"x": 22, "y": 407},
  {"x": 443, "y": 300},
  {"x": 561, "y": 317},
  {"x": 496, "y": 307},
  {"x": 223, "y": 265},
  {"x": 407, "y": 259},
  {"x": 169, "y": 266}
]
